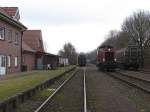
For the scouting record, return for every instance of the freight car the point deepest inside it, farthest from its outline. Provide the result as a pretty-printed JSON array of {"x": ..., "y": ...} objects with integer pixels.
[
  {"x": 106, "y": 58},
  {"x": 129, "y": 57},
  {"x": 82, "y": 60}
]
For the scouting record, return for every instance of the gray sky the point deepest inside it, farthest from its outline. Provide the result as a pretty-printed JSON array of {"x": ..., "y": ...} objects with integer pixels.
[{"x": 84, "y": 23}]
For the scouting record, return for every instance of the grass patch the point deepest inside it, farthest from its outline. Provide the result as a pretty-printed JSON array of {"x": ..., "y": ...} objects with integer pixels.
[
  {"x": 13, "y": 85},
  {"x": 44, "y": 94}
]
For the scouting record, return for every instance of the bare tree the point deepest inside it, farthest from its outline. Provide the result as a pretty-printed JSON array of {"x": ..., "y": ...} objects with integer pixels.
[
  {"x": 122, "y": 40},
  {"x": 91, "y": 56},
  {"x": 117, "y": 39},
  {"x": 69, "y": 52},
  {"x": 137, "y": 27},
  {"x": 111, "y": 38}
]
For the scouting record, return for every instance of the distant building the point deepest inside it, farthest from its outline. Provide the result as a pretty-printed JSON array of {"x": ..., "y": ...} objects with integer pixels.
[
  {"x": 63, "y": 61},
  {"x": 11, "y": 31},
  {"x": 50, "y": 60}
]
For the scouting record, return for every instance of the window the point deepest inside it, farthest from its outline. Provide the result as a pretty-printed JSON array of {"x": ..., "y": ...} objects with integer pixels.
[
  {"x": 16, "y": 38},
  {"x": 3, "y": 61},
  {"x": 8, "y": 61},
  {"x": 109, "y": 56},
  {"x": 23, "y": 59},
  {"x": 16, "y": 61},
  {"x": 2, "y": 33},
  {"x": 9, "y": 35}
]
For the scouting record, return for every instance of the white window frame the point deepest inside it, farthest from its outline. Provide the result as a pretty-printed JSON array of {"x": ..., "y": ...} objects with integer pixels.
[
  {"x": 16, "y": 38},
  {"x": 23, "y": 59},
  {"x": 9, "y": 61},
  {"x": 16, "y": 61},
  {"x": 2, "y": 33},
  {"x": 9, "y": 34}
]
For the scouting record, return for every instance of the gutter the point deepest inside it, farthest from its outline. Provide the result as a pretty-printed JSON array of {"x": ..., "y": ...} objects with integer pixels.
[
  {"x": 12, "y": 22},
  {"x": 21, "y": 49}
]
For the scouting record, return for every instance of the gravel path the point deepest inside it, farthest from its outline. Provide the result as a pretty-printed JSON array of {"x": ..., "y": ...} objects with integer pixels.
[
  {"x": 70, "y": 97},
  {"x": 103, "y": 94}
]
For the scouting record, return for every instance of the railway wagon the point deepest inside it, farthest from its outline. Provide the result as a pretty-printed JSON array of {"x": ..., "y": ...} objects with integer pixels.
[
  {"x": 82, "y": 60},
  {"x": 106, "y": 58},
  {"x": 129, "y": 57}
]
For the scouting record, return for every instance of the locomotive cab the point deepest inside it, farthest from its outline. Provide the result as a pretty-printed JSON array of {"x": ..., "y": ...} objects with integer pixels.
[{"x": 106, "y": 58}]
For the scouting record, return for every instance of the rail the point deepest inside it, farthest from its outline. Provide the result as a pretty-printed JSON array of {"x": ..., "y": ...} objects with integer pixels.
[
  {"x": 132, "y": 81},
  {"x": 85, "y": 104},
  {"x": 51, "y": 96}
]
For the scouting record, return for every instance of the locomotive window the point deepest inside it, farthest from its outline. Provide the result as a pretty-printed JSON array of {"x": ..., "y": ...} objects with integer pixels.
[{"x": 109, "y": 56}]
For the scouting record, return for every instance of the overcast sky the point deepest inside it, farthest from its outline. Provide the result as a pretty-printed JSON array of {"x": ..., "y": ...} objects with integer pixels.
[{"x": 84, "y": 23}]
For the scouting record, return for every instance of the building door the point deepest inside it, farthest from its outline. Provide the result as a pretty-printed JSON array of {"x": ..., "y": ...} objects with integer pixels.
[{"x": 2, "y": 65}]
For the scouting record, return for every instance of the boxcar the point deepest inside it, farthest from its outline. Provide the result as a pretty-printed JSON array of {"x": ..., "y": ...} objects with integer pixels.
[
  {"x": 82, "y": 60},
  {"x": 128, "y": 57}
]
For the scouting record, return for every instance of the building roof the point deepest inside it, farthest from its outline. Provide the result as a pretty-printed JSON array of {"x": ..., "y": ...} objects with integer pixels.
[
  {"x": 33, "y": 38},
  {"x": 11, "y": 10},
  {"x": 3, "y": 11},
  {"x": 27, "y": 48},
  {"x": 49, "y": 54},
  {"x": 5, "y": 16}
]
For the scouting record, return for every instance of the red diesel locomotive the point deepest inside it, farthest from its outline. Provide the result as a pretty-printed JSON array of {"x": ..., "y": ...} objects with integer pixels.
[{"x": 106, "y": 58}]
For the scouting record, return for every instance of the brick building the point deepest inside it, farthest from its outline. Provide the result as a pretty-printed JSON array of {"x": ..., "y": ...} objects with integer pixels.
[
  {"x": 33, "y": 53},
  {"x": 11, "y": 31},
  {"x": 28, "y": 57},
  {"x": 33, "y": 44}
]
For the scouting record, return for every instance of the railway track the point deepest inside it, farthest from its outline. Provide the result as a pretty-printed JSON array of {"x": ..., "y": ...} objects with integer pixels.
[
  {"x": 144, "y": 71},
  {"x": 132, "y": 80},
  {"x": 70, "y": 96}
]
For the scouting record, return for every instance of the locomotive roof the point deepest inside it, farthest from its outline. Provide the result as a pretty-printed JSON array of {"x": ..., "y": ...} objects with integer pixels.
[
  {"x": 105, "y": 46},
  {"x": 121, "y": 50}
]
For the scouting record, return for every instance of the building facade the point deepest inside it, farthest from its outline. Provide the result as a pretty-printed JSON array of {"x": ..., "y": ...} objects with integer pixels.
[
  {"x": 33, "y": 39},
  {"x": 34, "y": 55},
  {"x": 28, "y": 57},
  {"x": 11, "y": 31}
]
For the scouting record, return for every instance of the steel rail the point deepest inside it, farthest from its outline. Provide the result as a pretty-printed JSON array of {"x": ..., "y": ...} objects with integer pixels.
[
  {"x": 133, "y": 77},
  {"x": 85, "y": 102},
  {"x": 56, "y": 91},
  {"x": 145, "y": 72},
  {"x": 130, "y": 83}
]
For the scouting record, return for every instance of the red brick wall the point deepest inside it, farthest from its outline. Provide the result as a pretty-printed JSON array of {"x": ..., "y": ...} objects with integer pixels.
[
  {"x": 33, "y": 38},
  {"x": 29, "y": 60},
  {"x": 10, "y": 48}
]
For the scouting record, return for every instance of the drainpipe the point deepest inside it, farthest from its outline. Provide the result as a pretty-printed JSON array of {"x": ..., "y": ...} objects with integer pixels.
[{"x": 21, "y": 49}]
